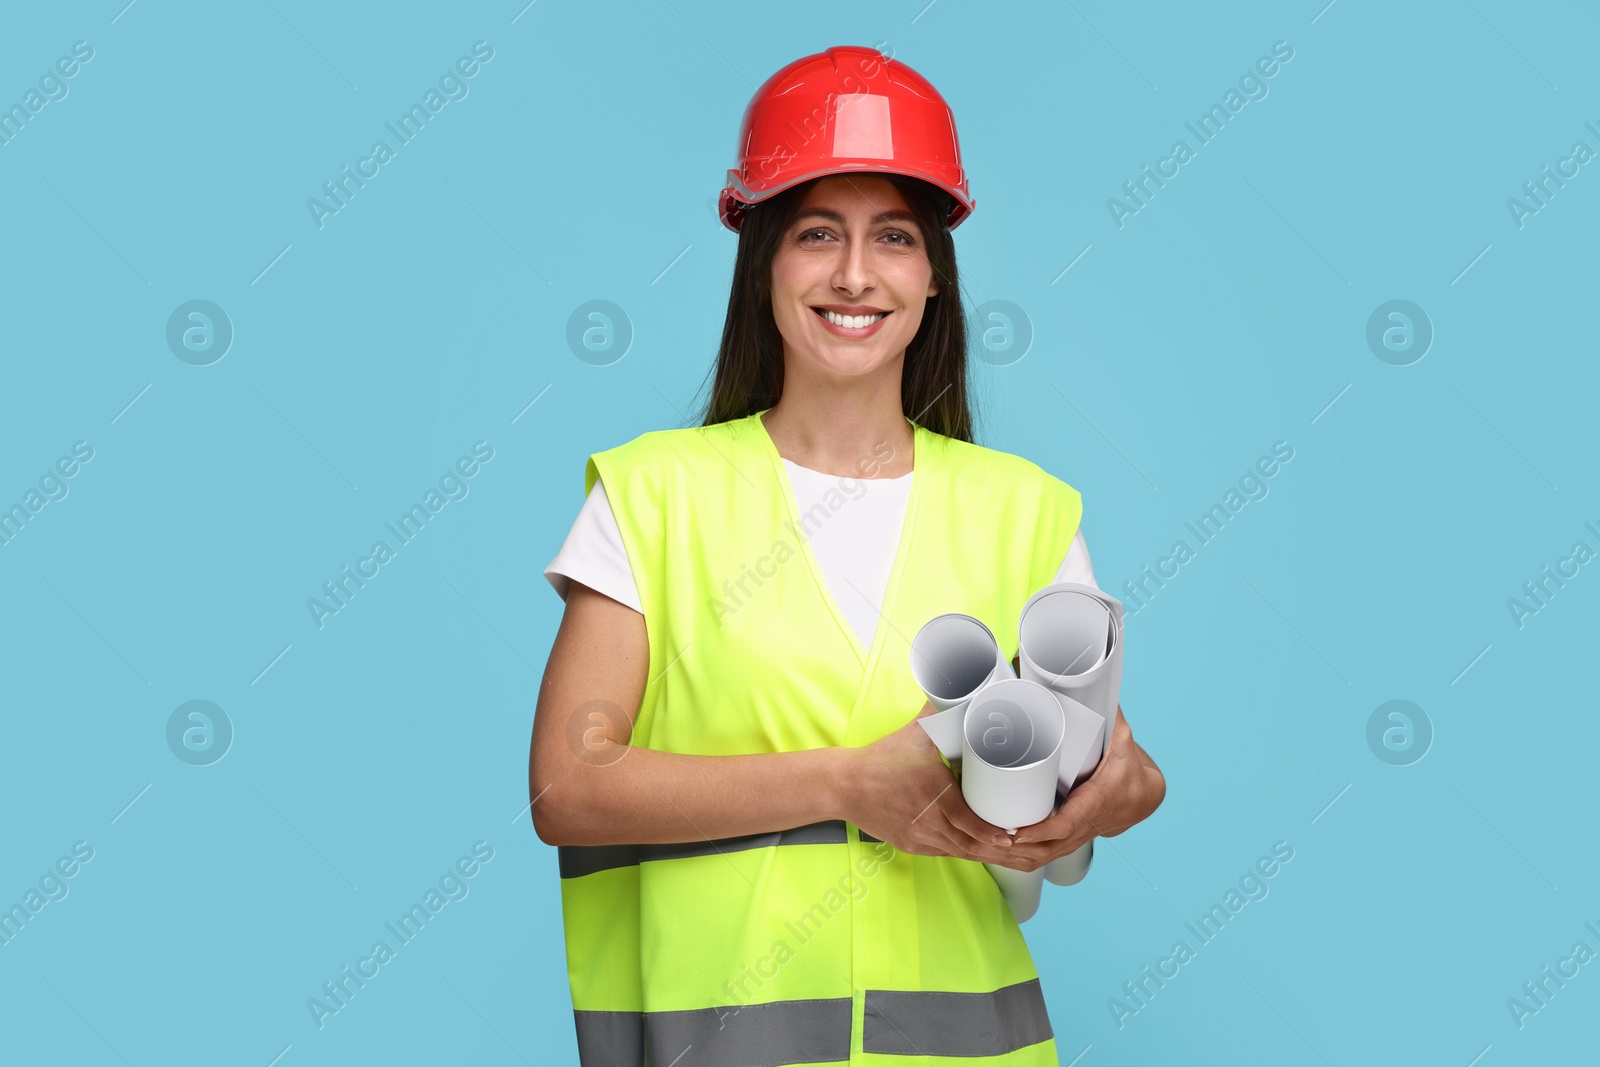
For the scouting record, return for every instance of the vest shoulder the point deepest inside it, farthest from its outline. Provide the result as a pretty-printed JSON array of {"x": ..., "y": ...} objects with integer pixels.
[
  {"x": 1006, "y": 471},
  {"x": 662, "y": 450}
]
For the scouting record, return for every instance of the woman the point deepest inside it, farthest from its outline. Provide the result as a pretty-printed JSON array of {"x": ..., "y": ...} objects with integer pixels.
[{"x": 764, "y": 859}]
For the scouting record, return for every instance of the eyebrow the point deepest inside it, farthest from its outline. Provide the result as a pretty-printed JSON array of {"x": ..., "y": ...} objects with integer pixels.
[{"x": 893, "y": 215}]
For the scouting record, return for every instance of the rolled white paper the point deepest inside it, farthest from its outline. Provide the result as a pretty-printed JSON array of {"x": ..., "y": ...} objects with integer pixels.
[
  {"x": 1021, "y": 889},
  {"x": 1070, "y": 643},
  {"x": 1083, "y": 730},
  {"x": 1070, "y": 869},
  {"x": 952, "y": 657},
  {"x": 1011, "y": 741},
  {"x": 1070, "y": 639},
  {"x": 1011, "y": 753}
]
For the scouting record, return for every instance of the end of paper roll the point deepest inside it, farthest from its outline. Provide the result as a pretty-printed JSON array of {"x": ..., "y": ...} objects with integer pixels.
[
  {"x": 1020, "y": 889},
  {"x": 1070, "y": 869}
]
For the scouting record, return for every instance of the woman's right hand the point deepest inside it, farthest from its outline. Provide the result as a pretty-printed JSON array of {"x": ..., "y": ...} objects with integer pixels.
[{"x": 899, "y": 790}]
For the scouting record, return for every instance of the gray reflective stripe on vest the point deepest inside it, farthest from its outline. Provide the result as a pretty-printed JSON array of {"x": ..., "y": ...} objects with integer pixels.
[
  {"x": 751, "y": 1035},
  {"x": 896, "y": 1023},
  {"x": 610, "y": 1037},
  {"x": 579, "y": 860},
  {"x": 904, "y": 1023}
]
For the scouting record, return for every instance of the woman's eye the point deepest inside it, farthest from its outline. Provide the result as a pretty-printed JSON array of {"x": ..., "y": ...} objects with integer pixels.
[{"x": 898, "y": 237}]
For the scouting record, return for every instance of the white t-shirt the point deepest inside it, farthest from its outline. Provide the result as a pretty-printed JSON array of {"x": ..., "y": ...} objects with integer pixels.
[{"x": 854, "y": 545}]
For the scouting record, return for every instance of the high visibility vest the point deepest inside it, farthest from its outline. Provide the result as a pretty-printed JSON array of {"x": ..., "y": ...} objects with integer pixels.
[{"x": 816, "y": 944}]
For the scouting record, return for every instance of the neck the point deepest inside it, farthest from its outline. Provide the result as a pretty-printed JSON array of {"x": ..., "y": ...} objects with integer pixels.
[{"x": 850, "y": 433}]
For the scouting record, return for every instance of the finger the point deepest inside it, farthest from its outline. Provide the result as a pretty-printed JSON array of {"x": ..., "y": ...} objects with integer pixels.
[
  {"x": 935, "y": 830},
  {"x": 1057, "y": 840},
  {"x": 968, "y": 823},
  {"x": 924, "y": 839},
  {"x": 1066, "y": 821},
  {"x": 1043, "y": 852},
  {"x": 946, "y": 839},
  {"x": 981, "y": 849},
  {"x": 1054, "y": 826},
  {"x": 952, "y": 842},
  {"x": 1026, "y": 857},
  {"x": 1027, "y": 864},
  {"x": 935, "y": 825}
]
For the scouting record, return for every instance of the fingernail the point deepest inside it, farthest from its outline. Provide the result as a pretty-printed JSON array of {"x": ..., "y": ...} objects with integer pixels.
[{"x": 1003, "y": 841}]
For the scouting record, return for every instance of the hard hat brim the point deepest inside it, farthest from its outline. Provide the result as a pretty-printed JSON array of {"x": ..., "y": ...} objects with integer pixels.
[{"x": 737, "y": 196}]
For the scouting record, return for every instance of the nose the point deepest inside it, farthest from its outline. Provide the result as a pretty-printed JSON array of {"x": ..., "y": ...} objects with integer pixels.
[{"x": 853, "y": 273}]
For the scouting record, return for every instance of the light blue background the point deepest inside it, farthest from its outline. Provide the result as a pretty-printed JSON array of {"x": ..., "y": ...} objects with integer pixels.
[{"x": 371, "y": 353}]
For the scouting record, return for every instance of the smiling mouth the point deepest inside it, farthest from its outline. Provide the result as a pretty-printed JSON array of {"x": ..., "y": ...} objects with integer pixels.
[{"x": 849, "y": 322}]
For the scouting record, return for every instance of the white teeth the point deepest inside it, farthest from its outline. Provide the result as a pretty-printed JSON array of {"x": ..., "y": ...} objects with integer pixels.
[{"x": 851, "y": 322}]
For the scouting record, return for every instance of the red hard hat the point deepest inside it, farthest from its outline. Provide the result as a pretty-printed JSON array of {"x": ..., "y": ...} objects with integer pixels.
[{"x": 847, "y": 110}]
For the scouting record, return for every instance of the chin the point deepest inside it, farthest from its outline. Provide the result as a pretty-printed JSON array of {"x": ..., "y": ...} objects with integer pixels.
[{"x": 853, "y": 364}]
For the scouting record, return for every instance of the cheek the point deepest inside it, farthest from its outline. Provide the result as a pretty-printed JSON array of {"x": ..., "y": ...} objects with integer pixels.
[
  {"x": 906, "y": 329},
  {"x": 793, "y": 322},
  {"x": 910, "y": 280},
  {"x": 912, "y": 299},
  {"x": 794, "y": 271}
]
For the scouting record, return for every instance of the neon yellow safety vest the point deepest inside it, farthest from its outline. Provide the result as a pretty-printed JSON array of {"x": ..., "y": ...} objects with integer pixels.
[{"x": 818, "y": 944}]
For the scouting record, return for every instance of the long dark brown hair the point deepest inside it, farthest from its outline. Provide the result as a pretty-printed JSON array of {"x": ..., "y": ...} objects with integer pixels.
[{"x": 749, "y": 371}]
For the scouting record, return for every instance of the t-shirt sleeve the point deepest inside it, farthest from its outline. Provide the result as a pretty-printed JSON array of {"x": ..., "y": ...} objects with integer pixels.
[
  {"x": 593, "y": 554},
  {"x": 1076, "y": 567}
]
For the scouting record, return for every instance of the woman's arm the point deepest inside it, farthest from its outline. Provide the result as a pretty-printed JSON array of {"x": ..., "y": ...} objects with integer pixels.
[{"x": 592, "y": 788}]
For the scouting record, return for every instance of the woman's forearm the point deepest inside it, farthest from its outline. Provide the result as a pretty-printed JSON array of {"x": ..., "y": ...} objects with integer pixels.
[
  {"x": 618, "y": 794},
  {"x": 591, "y": 787}
]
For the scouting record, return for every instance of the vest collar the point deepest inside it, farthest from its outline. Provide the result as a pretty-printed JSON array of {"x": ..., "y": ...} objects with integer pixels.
[{"x": 926, "y": 468}]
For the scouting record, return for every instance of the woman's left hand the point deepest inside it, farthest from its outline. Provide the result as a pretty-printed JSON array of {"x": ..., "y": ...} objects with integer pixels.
[{"x": 1122, "y": 790}]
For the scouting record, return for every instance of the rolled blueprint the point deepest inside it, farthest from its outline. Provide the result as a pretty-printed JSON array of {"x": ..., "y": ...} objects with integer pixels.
[
  {"x": 1070, "y": 643},
  {"x": 952, "y": 657},
  {"x": 1010, "y": 766},
  {"x": 1070, "y": 640}
]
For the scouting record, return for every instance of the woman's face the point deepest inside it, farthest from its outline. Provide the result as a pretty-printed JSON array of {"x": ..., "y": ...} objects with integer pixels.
[{"x": 853, "y": 249}]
